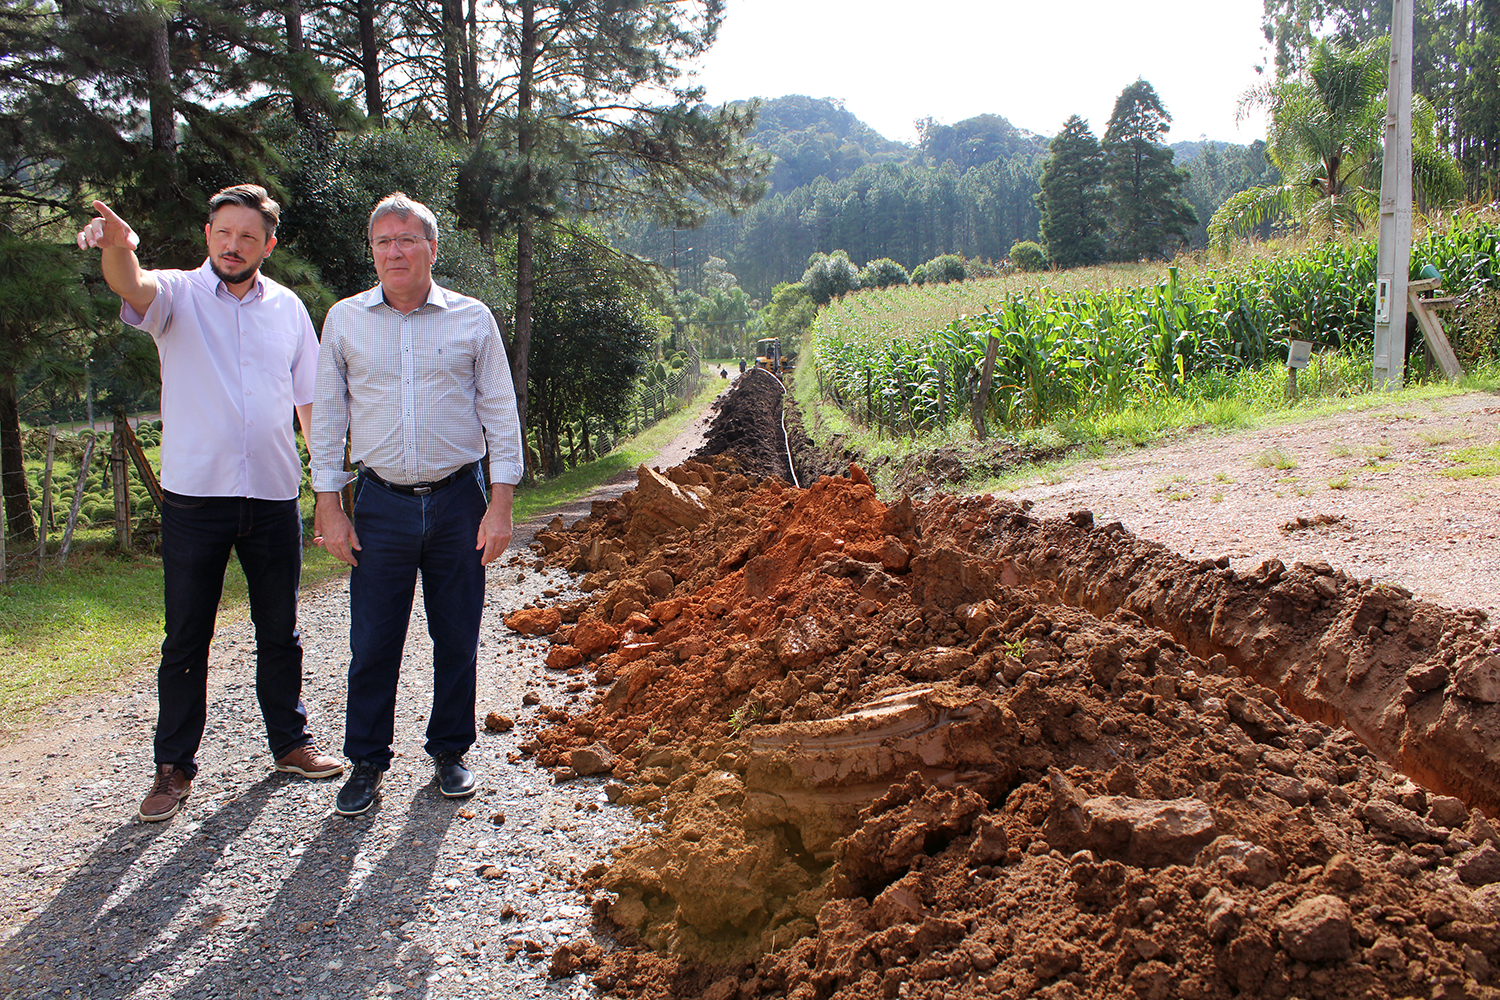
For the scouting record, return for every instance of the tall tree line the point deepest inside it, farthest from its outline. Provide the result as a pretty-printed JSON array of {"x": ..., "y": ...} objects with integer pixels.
[
  {"x": 909, "y": 212},
  {"x": 508, "y": 118},
  {"x": 1456, "y": 47},
  {"x": 1121, "y": 199}
]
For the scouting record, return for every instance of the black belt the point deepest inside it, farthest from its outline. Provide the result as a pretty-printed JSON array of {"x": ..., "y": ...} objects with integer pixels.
[{"x": 419, "y": 489}]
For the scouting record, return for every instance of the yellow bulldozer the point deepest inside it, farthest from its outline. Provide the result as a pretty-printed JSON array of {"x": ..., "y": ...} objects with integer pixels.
[{"x": 768, "y": 356}]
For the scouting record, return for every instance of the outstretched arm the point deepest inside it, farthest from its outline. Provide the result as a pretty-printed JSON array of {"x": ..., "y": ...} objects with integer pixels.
[{"x": 117, "y": 242}]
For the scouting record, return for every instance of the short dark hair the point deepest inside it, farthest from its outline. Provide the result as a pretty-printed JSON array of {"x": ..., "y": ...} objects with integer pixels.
[{"x": 248, "y": 196}]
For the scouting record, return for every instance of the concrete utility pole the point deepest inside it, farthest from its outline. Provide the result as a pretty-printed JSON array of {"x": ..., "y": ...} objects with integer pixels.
[{"x": 1393, "y": 259}]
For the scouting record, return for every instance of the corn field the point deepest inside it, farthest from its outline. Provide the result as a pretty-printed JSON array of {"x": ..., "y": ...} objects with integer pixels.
[{"x": 1069, "y": 351}]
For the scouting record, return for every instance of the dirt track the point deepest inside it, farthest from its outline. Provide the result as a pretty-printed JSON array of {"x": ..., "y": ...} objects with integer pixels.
[
  {"x": 924, "y": 750},
  {"x": 951, "y": 749}
]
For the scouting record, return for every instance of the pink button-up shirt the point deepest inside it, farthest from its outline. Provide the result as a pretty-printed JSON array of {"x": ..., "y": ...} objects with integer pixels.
[{"x": 232, "y": 371}]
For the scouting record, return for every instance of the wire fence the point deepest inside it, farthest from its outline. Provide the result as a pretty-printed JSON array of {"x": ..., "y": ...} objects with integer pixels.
[{"x": 653, "y": 402}]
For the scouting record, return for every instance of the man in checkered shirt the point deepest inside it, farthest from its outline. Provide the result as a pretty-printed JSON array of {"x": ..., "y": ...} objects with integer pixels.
[{"x": 416, "y": 376}]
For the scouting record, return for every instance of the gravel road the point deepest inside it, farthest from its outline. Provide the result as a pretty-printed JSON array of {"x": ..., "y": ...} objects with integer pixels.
[{"x": 257, "y": 889}]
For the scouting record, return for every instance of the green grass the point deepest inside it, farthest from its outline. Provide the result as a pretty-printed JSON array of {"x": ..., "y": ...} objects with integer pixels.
[
  {"x": 1275, "y": 458},
  {"x": 76, "y": 629},
  {"x": 1481, "y": 460}
]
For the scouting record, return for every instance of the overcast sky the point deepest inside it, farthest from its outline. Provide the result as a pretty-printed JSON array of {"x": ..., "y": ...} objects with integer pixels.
[{"x": 1033, "y": 63}]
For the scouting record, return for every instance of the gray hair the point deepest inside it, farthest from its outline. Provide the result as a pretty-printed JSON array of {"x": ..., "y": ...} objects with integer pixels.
[{"x": 403, "y": 208}]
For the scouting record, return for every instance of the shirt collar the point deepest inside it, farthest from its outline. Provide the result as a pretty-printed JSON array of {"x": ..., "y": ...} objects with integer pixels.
[
  {"x": 257, "y": 289},
  {"x": 437, "y": 296}
]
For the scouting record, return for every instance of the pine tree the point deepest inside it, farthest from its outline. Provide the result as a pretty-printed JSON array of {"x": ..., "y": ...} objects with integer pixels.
[
  {"x": 1073, "y": 222},
  {"x": 1150, "y": 215},
  {"x": 589, "y": 135}
]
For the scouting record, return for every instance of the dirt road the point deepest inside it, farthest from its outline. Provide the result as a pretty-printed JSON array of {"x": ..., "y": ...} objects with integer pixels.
[
  {"x": 256, "y": 889},
  {"x": 1377, "y": 492},
  {"x": 952, "y": 748}
]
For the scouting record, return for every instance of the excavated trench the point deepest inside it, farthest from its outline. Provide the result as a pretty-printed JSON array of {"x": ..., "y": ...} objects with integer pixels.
[{"x": 949, "y": 749}]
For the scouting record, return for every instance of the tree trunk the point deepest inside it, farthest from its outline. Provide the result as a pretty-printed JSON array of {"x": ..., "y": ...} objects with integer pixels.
[
  {"x": 369, "y": 51},
  {"x": 470, "y": 70},
  {"x": 525, "y": 242},
  {"x": 551, "y": 446},
  {"x": 18, "y": 522},
  {"x": 295, "y": 46},
  {"x": 159, "y": 75},
  {"x": 453, "y": 39}
]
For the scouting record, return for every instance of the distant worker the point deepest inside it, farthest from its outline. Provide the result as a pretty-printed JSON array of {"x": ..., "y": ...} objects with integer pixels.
[
  {"x": 723, "y": 373},
  {"x": 238, "y": 356},
  {"x": 742, "y": 366}
]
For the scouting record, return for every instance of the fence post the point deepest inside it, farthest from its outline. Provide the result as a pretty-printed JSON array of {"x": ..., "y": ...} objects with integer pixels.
[
  {"x": 942, "y": 370},
  {"x": 41, "y": 549},
  {"x": 83, "y": 476},
  {"x": 982, "y": 397},
  {"x": 119, "y": 470},
  {"x": 138, "y": 456}
]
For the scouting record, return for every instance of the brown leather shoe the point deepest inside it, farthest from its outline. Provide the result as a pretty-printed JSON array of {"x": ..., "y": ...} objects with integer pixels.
[
  {"x": 168, "y": 790},
  {"x": 308, "y": 761}
]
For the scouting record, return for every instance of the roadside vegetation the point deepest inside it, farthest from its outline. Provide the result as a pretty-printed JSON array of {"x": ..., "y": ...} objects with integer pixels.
[
  {"x": 1131, "y": 353},
  {"x": 74, "y": 629}
]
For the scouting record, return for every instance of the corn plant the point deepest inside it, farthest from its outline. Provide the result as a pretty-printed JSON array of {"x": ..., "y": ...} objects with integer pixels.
[{"x": 905, "y": 360}]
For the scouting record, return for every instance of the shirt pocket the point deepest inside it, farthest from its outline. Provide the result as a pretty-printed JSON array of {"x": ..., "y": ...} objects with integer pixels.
[{"x": 278, "y": 348}]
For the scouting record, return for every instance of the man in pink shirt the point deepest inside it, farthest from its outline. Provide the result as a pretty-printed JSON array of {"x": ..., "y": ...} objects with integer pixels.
[{"x": 238, "y": 356}]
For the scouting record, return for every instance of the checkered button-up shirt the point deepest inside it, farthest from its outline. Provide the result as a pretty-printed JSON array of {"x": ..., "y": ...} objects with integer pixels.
[{"x": 419, "y": 395}]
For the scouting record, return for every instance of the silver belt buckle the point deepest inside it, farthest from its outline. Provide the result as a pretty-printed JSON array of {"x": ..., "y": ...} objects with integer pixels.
[{"x": 421, "y": 491}]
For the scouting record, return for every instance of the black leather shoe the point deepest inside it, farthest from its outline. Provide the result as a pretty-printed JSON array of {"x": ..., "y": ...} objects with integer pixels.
[
  {"x": 455, "y": 780},
  {"x": 361, "y": 790}
]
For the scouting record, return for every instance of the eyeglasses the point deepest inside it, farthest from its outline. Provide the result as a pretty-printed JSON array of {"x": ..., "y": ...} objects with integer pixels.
[{"x": 405, "y": 242}]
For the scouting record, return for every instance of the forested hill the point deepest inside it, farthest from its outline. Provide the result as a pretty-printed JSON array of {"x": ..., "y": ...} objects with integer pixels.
[
  {"x": 809, "y": 138},
  {"x": 837, "y": 184}
]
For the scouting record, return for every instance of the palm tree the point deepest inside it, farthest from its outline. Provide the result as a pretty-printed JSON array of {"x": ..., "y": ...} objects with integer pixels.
[{"x": 1326, "y": 137}]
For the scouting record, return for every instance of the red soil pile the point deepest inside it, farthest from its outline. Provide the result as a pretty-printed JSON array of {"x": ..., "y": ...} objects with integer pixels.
[{"x": 949, "y": 750}]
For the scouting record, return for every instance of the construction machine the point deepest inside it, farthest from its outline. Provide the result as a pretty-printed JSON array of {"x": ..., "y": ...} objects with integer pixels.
[{"x": 768, "y": 356}]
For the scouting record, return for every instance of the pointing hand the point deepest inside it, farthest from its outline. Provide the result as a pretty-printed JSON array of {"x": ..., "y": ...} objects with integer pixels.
[{"x": 107, "y": 230}]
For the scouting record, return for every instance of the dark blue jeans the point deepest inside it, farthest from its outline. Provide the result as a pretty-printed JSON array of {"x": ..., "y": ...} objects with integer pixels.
[
  {"x": 197, "y": 535},
  {"x": 400, "y": 536}
]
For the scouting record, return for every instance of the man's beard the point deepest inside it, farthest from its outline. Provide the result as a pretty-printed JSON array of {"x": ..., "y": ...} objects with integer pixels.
[{"x": 233, "y": 277}]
